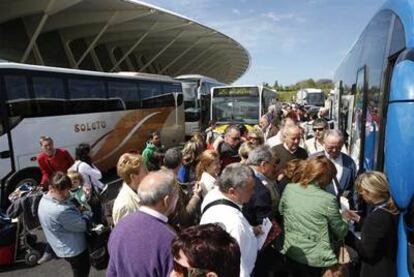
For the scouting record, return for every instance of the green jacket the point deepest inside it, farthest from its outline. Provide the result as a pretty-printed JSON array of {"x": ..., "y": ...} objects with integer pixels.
[{"x": 311, "y": 215}]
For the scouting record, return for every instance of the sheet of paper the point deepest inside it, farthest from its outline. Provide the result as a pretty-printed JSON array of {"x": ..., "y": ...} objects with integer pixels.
[
  {"x": 266, "y": 226},
  {"x": 344, "y": 203}
]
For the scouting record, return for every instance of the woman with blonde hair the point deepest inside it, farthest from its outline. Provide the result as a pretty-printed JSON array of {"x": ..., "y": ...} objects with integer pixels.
[
  {"x": 244, "y": 151},
  {"x": 256, "y": 136},
  {"x": 378, "y": 245},
  {"x": 311, "y": 219},
  {"x": 131, "y": 168},
  {"x": 192, "y": 149},
  {"x": 208, "y": 170}
]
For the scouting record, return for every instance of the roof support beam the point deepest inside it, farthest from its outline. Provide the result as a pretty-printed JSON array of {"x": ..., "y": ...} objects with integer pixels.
[
  {"x": 37, "y": 31},
  {"x": 216, "y": 66},
  {"x": 132, "y": 48},
  {"x": 193, "y": 60},
  {"x": 69, "y": 54},
  {"x": 180, "y": 56},
  {"x": 113, "y": 20},
  {"x": 206, "y": 61},
  {"x": 97, "y": 37},
  {"x": 37, "y": 55},
  {"x": 129, "y": 64},
  {"x": 113, "y": 60},
  {"x": 95, "y": 60},
  {"x": 161, "y": 51}
]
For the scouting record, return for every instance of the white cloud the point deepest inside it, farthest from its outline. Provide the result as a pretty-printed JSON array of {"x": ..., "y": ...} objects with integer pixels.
[
  {"x": 275, "y": 17},
  {"x": 236, "y": 11}
]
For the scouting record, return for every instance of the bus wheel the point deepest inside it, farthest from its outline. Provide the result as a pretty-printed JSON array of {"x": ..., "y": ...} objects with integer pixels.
[{"x": 29, "y": 176}]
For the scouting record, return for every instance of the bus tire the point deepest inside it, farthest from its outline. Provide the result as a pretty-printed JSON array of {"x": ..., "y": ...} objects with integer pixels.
[{"x": 30, "y": 176}]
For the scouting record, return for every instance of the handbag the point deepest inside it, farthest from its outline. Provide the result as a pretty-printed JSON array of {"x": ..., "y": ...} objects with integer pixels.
[
  {"x": 342, "y": 251},
  {"x": 97, "y": 246}
]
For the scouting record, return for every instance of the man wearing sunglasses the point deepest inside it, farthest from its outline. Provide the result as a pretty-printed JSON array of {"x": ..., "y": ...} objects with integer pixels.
[
  {"x": 315, "y": 144},
  {"x": 229, "y": 148},
  {"x": 205, "y": 250}
]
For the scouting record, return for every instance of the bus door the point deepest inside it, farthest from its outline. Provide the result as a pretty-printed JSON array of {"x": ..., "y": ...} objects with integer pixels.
[
  {"x": 357, "y": 139},
  {"x": 6, "y": 161},
  {"x": 204, "y": 100}
]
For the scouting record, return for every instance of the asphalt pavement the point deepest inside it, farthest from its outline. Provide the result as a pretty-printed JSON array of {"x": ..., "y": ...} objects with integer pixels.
[{"x": 55, "y": 267}]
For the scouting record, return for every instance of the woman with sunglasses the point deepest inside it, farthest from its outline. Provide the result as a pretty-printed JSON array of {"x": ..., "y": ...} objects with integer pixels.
[{"x": 205, "y": 250}]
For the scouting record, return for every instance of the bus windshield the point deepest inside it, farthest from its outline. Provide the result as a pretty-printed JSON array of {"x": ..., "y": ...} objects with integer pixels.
[
  {"x": 190, "y": 90},
  {"x": 316, "y": 99},
  {"x": 191, "y": 109},
  {"x": 240, "y": 109}
]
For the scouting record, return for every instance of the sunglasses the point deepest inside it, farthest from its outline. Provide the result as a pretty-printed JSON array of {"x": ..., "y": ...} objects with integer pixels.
[
  {"x": 318, "y": 129},
  {"x": 183, "y": 271}
]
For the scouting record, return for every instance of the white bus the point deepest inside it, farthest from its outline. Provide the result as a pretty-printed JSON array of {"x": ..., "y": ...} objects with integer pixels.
[
  {"x": 310, "y": 97},
  {"x": 240, "y": 105},
  {"x": 113, "y": 112},
  {"x": 196, "y": 91}
]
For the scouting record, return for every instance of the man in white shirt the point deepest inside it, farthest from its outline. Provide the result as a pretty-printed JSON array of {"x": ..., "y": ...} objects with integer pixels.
[
  {"x": 315, "y": 144},
  {"x": 278, "y": 138},
  {"x": 344, "y": 164},
  {"x": 223, "y": 205}
]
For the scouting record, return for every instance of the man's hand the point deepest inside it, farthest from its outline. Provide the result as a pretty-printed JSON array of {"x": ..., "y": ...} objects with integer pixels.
[{"x": 257, "y": 230}]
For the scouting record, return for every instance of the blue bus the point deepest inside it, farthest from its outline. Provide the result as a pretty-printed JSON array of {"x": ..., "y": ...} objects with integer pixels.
[{"x": 375, "y": 107}]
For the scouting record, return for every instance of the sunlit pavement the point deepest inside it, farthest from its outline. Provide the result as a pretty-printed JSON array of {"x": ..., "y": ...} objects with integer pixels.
[{"x": 56, "y": 267}]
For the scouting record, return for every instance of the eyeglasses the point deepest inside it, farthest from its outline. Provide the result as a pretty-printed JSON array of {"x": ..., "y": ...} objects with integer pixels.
[
  {"x": 254, "y": 138},
  {"x": 188, "y": 271},
  {"x": 235, "y": 138}
]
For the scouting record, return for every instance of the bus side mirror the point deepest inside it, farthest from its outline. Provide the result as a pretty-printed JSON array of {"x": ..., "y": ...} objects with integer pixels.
[{"x": 353, "y": 89}]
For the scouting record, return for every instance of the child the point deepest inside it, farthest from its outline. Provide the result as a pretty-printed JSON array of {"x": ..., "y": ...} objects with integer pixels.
[{"x": 77, "y": 191}]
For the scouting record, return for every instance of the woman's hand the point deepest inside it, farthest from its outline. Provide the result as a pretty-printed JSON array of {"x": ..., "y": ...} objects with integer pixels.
[
  {"x": 350, "y": 215},
  {"x": 197, "y": 189}
]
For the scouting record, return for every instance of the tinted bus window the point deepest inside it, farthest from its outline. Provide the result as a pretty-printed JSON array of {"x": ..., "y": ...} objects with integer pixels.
[
  {"x": 49, "y": 96},
  {"x": 375, "y": 57},
  {"x": 127, "y": 92},
  {"x": 16, "y": 87},
  {"x": 166, "y": 100},
  {"x": 87, "y": 96},
  {"x": 171, "y": 87},
  {"x": 19, "y": 104},
  {"x": 398, "y": 37},
  {"x": 149, "y": 89},
  {"x": 79, "y": 88}
]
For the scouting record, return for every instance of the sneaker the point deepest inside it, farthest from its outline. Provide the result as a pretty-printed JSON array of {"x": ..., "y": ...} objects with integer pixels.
[{"x": 45, "y": 258}]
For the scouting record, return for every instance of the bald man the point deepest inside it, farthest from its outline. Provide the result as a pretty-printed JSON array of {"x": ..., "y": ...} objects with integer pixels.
[
  {"x": 140, "y": 244},
  {"x": 290, "y": 149}
]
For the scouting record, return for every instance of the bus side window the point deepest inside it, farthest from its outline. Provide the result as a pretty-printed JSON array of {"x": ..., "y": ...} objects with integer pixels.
[
  {"x": 148, "y": 89},
  {"x": 86, "y": 96},
  {"x": 125, "y": 91},
  {"x": 49, "y": 96},
  {"x": 18, "y": 99}
]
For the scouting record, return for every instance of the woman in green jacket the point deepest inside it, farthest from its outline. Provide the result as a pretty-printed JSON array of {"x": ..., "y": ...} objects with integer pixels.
[{"x": 311, "y": 219}]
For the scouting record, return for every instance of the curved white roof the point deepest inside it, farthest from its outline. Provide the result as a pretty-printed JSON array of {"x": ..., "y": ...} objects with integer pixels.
[{"x": 116, "y": 35}]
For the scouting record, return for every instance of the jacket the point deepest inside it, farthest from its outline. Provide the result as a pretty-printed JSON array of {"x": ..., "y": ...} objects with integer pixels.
[
  {"x": 378, "y": 245},
  {"x": 150, "y": 157},
  {"x": 311, "y": 220}
]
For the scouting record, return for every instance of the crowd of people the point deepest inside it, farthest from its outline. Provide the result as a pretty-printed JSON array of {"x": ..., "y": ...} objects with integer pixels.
[{"x": 263, "y": 201}]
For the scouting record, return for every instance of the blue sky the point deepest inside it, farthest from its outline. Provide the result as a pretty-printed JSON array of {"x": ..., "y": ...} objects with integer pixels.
[{"x": 288, "y": 40}]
